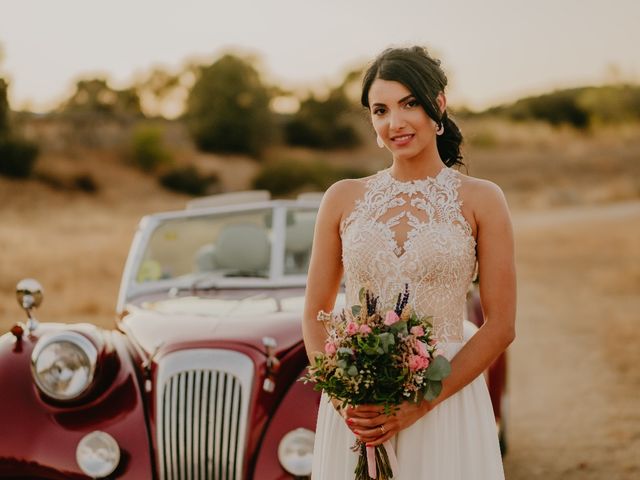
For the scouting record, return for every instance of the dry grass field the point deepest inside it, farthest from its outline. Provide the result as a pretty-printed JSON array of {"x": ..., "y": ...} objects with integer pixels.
[
  {"x": 574, "y": 372},
  {"x": 575, "y": 201}
]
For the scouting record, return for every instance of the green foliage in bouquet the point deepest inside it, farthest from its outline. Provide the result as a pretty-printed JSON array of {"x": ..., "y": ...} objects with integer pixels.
[{"x": 382, "y": 357}]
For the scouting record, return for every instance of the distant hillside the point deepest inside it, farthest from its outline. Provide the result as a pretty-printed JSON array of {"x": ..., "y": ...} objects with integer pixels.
[{"x": 582, "y": 107}]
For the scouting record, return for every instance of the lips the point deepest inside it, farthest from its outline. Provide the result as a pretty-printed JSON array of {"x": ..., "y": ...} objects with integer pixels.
[{"x": 403, "y": 139}]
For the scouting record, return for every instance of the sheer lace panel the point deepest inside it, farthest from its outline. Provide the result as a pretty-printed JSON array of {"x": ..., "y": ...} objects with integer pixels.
[{"x": 412, "y": 232}]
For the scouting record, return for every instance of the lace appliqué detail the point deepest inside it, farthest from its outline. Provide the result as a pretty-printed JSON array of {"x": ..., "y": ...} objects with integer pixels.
[{"x": 412, "y": 232}]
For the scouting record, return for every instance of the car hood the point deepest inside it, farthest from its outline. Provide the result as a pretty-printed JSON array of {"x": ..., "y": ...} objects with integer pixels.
[{"x": 245, "y": 319}]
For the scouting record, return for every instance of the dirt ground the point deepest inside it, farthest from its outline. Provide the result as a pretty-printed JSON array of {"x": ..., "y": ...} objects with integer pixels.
[
  {"x": 574, "y": 378},
  {"x": 573, "y": 370}
]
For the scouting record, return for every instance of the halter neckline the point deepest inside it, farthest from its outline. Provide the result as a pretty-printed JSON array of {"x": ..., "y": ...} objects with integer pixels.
[{"x": 428, "y": 179}]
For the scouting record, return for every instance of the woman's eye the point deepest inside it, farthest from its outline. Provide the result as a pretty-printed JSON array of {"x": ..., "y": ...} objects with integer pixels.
[
  {"x": 378, "y": 111},
  {"x": 412, "y": 103}
]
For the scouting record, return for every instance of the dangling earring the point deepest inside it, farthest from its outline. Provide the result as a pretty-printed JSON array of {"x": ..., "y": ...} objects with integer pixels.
[
  {"x": 440, "y": 130},
  {"x": 380, "y": 142}
]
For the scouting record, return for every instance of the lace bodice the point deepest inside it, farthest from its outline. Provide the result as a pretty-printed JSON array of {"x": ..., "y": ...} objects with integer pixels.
[{"x": 411, "y": 232}]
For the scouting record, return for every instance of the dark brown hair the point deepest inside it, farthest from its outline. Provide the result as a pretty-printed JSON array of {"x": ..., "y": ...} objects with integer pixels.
[{"x": 421, "y": 74}]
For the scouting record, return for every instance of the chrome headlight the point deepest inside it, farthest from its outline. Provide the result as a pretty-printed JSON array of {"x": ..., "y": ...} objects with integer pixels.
[
  {"x": 295, "y": 451},
  {"x": 63, "y": 364}
]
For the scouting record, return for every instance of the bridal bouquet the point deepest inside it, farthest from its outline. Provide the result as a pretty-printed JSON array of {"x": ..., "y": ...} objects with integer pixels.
[{"x": 379, "y": 356}]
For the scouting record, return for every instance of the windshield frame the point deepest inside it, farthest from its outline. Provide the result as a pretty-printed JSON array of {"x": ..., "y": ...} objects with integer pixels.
[{"x": 130, "y": 288}]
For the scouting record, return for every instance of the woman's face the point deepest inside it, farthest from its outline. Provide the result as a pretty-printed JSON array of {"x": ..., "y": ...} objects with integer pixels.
[{"x": 399, "y": 120}]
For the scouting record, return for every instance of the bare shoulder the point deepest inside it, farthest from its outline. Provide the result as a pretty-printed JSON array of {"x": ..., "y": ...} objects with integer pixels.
[
  {"x": 343, "y": 189},
  {"x": 340, "y": 197},
  {"x": 483, "y": 196}
]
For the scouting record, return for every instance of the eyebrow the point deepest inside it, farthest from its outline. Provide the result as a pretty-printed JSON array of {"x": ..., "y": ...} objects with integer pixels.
[{"x": 402, "y": 100}]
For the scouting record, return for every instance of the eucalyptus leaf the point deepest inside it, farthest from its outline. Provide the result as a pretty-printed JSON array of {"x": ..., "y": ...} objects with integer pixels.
[
  {"x": 438, "y": 369},
  {"x": 386, "y": 340},
  {"x": 361, "y": 295},
  {"x": 352, "y": 371},
  {"x": 371, "y": 349},
  {"x": 400, "y": 328},
  {"x": 355, "y": 310},
  {"x": 432, "y": 390},
  {"x": 345, "y": 351}
]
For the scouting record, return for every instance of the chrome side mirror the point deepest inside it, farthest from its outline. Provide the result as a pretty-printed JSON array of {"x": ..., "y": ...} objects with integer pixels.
[{"x": 30, "y": 294}]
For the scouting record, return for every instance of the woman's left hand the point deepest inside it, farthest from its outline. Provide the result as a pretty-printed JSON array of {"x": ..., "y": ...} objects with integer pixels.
[{"x": 372, "y": 426}]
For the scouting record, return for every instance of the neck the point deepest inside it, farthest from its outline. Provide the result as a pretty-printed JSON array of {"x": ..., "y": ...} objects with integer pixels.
[{"x": 429, "y": 164}]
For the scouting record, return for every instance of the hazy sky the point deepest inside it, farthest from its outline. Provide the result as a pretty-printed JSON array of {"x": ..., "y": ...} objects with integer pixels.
[{"x": 492, "y": 50}]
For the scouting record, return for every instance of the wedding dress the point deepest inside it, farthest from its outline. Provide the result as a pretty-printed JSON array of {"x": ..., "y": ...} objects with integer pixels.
[{"x": 414, "y": 233}]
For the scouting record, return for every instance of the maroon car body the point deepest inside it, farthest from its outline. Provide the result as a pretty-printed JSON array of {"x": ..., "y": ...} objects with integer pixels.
[{"x": 199, "y": 377}]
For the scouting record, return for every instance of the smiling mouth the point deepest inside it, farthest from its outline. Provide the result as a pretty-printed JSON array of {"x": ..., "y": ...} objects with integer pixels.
[{"x": 402, "y": 138}]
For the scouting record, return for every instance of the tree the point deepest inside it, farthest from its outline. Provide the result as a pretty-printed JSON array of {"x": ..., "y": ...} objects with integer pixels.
[
  {"x": 163, "y": 93},
  {"x": 4, "y": 109},
  {"x": 96, "y": 96},
  {"x": 228, "y": 108},
  {"x": 327, "y": 123},
  {"x": 17, "y": 156}
]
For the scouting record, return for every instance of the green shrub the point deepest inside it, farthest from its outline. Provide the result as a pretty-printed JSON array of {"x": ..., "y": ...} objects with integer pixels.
[
  {"x": 85, "y": 182},
  {"x": 323, "y": 123},
  {"x": 287, "y": 176},
  {"x": 149, "y": 152},
  {"x": 578, "y": 107},
  {"x": 17, "y": 157},
  {"x": 188, "y": 179}
]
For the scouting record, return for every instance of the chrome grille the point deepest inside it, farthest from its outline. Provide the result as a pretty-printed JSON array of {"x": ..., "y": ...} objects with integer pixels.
[{"x": 202, "y": 399}]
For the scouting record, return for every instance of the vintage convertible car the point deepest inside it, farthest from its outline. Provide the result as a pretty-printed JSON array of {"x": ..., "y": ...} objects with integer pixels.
[{"x": 199, "y": 378}]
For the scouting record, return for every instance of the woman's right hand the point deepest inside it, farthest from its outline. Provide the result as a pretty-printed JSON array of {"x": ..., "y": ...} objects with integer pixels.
[{"x": 350, "y": 413}]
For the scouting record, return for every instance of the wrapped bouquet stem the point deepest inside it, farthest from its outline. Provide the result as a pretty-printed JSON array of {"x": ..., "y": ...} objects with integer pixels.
[{"x": 379, "y": 355}]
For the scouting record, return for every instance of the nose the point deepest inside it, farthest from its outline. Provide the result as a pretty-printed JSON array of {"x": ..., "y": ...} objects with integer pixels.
[{"x": 396, "y": 120}]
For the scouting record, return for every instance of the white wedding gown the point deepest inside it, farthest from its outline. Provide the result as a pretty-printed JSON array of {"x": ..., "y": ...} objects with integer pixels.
[{"x": 457, "y": 440}]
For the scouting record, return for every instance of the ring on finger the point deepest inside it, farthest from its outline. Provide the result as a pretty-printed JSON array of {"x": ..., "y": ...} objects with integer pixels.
[{"x": 382, "y": 429}]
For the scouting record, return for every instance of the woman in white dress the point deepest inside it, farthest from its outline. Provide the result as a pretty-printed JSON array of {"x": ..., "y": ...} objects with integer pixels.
[{"x": 419, "y": 222}]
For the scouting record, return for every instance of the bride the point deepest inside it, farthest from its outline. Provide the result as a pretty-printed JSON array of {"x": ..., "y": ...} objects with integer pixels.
[{"x": 423, "y": 223}]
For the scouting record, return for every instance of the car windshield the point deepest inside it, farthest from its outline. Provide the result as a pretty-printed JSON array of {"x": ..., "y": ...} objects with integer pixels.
[{"x": 236, "y": 244}]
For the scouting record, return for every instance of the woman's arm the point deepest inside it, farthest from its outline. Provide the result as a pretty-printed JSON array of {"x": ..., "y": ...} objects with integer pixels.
[
  {"x": 495, "y": 251},
  {"x": 497, "y": 275},
  {"x": 325, "y": 268}
]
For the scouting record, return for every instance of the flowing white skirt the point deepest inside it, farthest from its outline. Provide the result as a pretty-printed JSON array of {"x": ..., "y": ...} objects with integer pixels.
[{"x": 457, "y": 440}]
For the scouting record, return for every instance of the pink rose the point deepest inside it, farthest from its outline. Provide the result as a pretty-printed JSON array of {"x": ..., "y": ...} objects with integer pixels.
[
  {"x": 418, "y": 331},
  {"x": 391, "y": 318},
  {"x": 330, "y": 348},
  {"x": 421, "y": 348},
  {"x": 365, "y": 329},
  {"x": 352, "y": 328},
  {"x": 416, "y": 362}
]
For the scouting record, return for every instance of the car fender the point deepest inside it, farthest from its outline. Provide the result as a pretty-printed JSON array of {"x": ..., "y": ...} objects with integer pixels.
[{"x": 39, "y": 437}]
